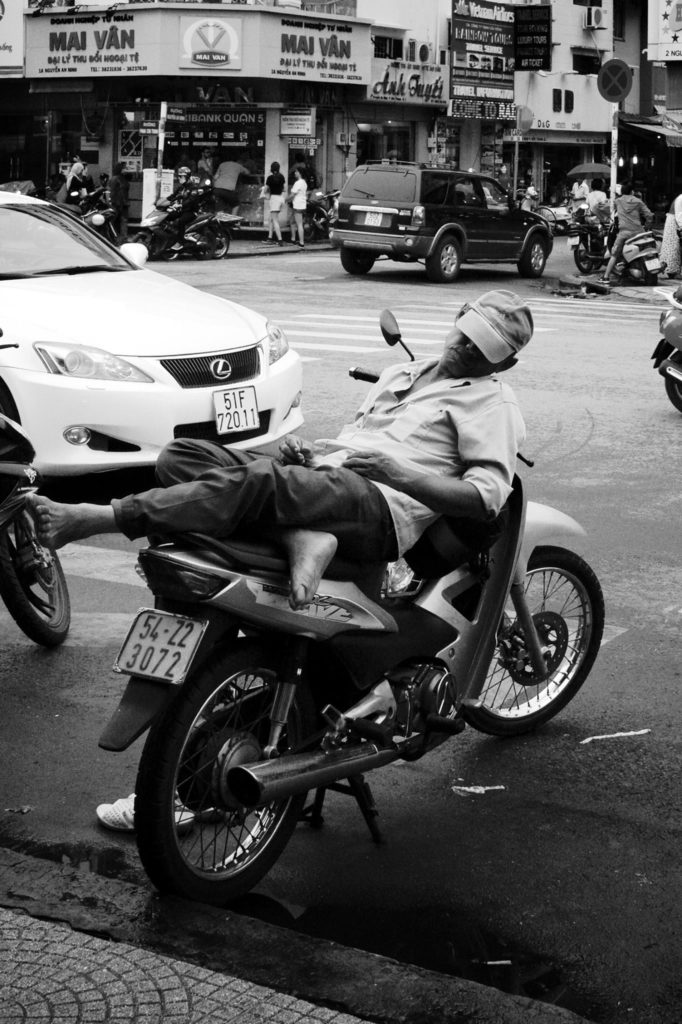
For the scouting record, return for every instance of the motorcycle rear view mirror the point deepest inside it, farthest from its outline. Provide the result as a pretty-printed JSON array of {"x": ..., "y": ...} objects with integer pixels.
[{"x": 391, "y": 331}]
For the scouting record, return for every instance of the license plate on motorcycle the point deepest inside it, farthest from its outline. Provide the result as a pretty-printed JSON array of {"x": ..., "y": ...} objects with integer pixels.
[
  {"x": 652, "y": 264},
  {"x": 573, "y": 241},
  {"x": 236, "y": 410},
  {"x": 160, "y": 646}
]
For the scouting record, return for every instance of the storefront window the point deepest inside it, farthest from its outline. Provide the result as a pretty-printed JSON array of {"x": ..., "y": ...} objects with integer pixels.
[{"x": 389, "y": 141}]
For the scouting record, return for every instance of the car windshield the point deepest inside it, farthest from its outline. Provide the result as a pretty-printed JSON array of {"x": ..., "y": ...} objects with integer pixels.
[
  {"x": 36, "y": 240},
  {"x": 398, "y": 185}
]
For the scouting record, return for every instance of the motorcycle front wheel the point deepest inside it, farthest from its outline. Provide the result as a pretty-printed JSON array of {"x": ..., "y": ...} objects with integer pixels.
[
  {"x": 32, "y": 583},
  {"x": 565, "y": 599},
  {"x": 585, "y": 263},
  {"x": 218, "y": 719}
]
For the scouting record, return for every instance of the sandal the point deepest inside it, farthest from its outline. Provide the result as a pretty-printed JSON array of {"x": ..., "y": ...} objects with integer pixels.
[{"x": 120, "y": 816}]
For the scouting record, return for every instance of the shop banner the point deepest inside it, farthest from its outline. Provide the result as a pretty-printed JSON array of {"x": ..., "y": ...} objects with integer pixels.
[
  {"x": 533, "y": 38},
  {"x": 258, "y": 42},
  {"x": 396, "y": 81},
  {"x": 11, "y": 37},
  {"x": 482, "y": 51},
  {"x": 664, "y": 39}
]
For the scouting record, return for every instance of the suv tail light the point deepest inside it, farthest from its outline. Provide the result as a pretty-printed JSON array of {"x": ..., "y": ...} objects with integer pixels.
[{"x": 418, "y": 217}]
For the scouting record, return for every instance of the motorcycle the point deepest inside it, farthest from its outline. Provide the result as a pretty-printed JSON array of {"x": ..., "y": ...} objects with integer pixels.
[
  {"x": 251, "y": 704},
  {"x": 667, "y": 355},
  {"x": 591, "y": 244},
  {"x": 319, "y": 214},
  {"x": 187, "y": 225},
  {"x": 32, "y": 582},
  {"x": 98, "y": 213},
  {"x": 558, "y": 217}
]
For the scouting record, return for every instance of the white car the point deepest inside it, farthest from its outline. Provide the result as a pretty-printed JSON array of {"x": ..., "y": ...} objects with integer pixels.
[{"x": 103, "y": 362}]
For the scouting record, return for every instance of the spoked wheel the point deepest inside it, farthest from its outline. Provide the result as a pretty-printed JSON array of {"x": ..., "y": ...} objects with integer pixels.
[
  {"x": 565, "y": 599},
  {"x": 219, "y": 719},
  {"x": 32, "y": 583},
  {"x": 585, "y": 263}
]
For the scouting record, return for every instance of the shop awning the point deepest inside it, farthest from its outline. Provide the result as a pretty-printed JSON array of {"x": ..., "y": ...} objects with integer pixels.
[{"x": 673, "y": 138}]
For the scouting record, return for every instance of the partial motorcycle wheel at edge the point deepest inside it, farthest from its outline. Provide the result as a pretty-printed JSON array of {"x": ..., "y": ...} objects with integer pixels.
[
  {"x": 220, "y": 718},
  {"x": 34, "y": 591}
]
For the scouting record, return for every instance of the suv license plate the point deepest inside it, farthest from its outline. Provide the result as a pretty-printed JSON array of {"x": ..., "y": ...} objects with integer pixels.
[
  {"x": 652, "y": 264},
  {"x": 160, "y": 646},
  {"x": 235, "y": 410},
  {"x": 373, "y": 220}
]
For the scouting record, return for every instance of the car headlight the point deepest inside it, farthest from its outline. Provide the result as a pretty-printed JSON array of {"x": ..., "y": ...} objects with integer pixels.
[
  {"x": 277, "y": 344},
  {"x": 89, "y": 363}
]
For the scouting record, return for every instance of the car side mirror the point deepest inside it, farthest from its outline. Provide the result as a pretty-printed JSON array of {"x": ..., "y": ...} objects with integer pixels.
[{"x": 135, "y": 252}]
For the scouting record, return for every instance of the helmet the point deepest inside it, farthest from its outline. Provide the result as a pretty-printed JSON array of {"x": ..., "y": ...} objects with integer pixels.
[{"x": 184, "y": 172}]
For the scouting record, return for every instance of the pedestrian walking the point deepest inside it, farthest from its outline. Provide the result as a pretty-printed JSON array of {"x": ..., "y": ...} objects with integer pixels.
[
  {"x": 670, "y": 242},
  {"x": 119, "y": 191},
  {"x": 275, "y": 184}
]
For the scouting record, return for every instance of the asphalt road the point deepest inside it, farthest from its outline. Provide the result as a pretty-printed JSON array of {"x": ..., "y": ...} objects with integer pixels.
[{"x": 568, "y": 876}]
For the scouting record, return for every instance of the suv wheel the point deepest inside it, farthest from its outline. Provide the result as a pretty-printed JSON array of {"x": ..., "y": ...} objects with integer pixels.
[
  {"x": 533, "y": 259},
  {"x": 356, "y": 263},
  {"x": 444, "y": 263}
]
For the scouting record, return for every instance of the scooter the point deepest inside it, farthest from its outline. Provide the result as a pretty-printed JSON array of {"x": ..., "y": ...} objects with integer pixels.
[
  {"x": 667, "y": 355},
  {"x": 187, "y": 225},
  {"x": 640, "y": 260},
  {"x": 251, "y": 704},
  {"x": 319, "y": 214},
  {"x": 32, "y": 582},
  {"x": 99, "y": 214}
]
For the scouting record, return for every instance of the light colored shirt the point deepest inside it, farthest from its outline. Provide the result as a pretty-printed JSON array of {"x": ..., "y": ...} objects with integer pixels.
[
  {"x": 299, "y": 194},
  {"x": 469, "y": 428},
  {"x": 227, "y": 174},
  {"x": 598, "y": 206}
]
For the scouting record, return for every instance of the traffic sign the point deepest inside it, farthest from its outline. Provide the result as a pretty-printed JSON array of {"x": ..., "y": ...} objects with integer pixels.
[{"x": 614, "y": 80}]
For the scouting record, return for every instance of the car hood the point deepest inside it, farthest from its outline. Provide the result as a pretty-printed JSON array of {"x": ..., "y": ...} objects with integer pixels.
[{"x": 135, "y": 313}]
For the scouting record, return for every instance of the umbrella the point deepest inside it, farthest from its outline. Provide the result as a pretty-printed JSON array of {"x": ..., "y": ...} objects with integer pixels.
[{"x": 589, "y": 171}]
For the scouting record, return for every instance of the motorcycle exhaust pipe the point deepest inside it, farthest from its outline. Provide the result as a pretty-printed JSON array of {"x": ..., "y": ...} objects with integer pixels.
[{"x": 258, "y": 784}]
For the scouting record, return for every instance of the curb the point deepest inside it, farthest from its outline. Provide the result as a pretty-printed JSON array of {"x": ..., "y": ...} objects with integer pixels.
[{"x": 318, "y": 971}]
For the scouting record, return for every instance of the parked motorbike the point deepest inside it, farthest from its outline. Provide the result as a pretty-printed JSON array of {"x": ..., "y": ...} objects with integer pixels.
[
  {"x": 250, "y": 704},
  {"x": 188, "y": 225},
  {"x": 558, "y": 217},
  {"x": 667, "y": 355},
  {"x": 319, "y": 214},
  {"x": 99, "y": 214},
  {"x": 32, "y": 582},
  {"x": 591, "y": 245}
]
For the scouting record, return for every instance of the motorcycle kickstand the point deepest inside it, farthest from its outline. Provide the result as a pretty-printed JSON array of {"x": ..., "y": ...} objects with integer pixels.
[{"x": 357, "y": 787}]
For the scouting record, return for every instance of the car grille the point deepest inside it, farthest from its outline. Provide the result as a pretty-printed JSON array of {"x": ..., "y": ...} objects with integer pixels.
[
  {"x": 206, "y": 431},
  {"x": 195, "y": 371}
]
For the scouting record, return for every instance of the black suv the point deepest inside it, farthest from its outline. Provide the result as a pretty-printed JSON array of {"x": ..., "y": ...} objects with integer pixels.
[{"x": 409, "y": 212}]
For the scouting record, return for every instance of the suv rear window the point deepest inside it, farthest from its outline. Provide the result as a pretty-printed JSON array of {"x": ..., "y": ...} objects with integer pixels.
[{"x": 374, "y": 183}]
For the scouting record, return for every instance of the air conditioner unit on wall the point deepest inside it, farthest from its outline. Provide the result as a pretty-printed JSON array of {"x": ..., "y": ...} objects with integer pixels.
[
  {"x": 425, "y": 53},
  {"x": 594, "y": 17}
]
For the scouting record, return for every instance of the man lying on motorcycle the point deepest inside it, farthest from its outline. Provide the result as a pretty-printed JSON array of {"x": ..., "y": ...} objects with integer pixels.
[{"x": 433, "y": 437}]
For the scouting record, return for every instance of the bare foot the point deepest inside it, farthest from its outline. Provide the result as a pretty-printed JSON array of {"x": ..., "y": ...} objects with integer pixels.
[
  {"x": 58, "y": 524},
  {"x": 310, "y": 552}
]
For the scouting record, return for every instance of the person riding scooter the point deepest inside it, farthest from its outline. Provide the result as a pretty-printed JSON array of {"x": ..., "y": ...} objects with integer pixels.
[{"x": 632, "y": 216}]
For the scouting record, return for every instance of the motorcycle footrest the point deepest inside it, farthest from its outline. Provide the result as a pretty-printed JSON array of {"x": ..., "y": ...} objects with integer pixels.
[
  {"x": 438, "y": 723},
  {"x": 371, "y": 731}
]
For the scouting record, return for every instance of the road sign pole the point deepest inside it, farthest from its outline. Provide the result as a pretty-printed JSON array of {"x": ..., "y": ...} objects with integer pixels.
[{"x": 614, "y": 155}]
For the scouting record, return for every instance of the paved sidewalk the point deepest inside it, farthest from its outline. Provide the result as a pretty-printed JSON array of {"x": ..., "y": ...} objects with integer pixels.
[{"x": 78, "y": 948}]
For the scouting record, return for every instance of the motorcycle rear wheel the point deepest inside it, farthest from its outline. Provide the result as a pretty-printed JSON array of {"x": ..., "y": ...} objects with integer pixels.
[
  {"x": 219, "y": 718},
  {"x": 222, "y": 245},
  {"x": 567, "y": 605},
  {"x": 32, "y": 584}
]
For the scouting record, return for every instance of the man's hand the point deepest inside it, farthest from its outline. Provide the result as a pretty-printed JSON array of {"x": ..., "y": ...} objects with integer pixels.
[
  {"x": 294, "y": 451},
  {"x": 376, "y": 466}
]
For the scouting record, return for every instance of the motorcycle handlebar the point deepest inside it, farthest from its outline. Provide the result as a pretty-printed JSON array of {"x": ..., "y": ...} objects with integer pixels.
[{"x": 357, "y": 373}]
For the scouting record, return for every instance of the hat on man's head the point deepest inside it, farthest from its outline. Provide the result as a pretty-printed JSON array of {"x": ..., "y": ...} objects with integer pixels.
[{"x": 499, "y": 324}]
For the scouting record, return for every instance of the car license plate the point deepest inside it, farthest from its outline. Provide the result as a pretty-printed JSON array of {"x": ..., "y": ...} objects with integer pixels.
[
  {"x": 236, "y": 410},
  {"x": 573, "y": 241},
  {"x": 652, "y": 264},
  {"x": 373, "y": 220},
  {"x": 160, "y": 646}
]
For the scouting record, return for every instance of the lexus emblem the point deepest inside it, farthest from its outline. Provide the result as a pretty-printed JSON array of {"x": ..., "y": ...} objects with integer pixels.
[{"x": 221, "y": 369}]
